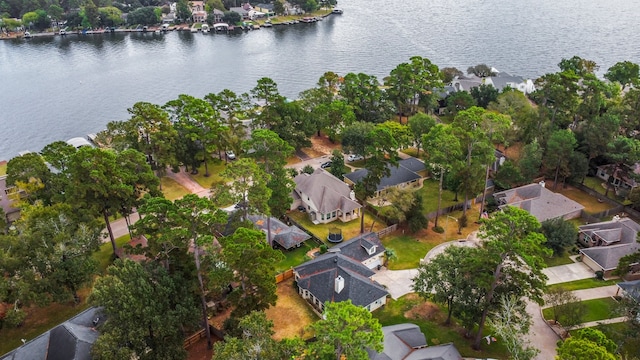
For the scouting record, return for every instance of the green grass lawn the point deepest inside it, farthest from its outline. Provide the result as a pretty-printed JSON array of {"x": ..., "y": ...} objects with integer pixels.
[
  {"x": 590, "y": 203},
  {"x": 171, "y": 189},
  {"x": 596, "y": 310},
  {"x": 294, "y": 257},
  {"x": 429, "y": 191},
  {"x": 558, "y": 260},
  {"x": 215, "y": 166},
  {"x": 409, "y": 250},
  {"x": 429, "y": 318},
  {"x": 349, "y": 229},
  {"x": 595, "y": 183},
  {"x": 104, "y": 255},
  {"x": 583, "y": 284}
]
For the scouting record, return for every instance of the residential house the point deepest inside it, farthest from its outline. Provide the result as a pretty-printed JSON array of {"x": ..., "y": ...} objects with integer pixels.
[
  {"x": 622, "y": 177},
  {"x": 630, "y": 289},
  {"x": 8, "y": 196},
  {"x": 265, "y": 8},
  {"x": 407, "y": 174},
  {"x": 198, "y": 12},
  {"x": 364, "y": 248},
  {"x": 217, "y": 16},
  {"x": 286, "y": 236},
  {"x": 607, "y": 242},
  {"x": 540, "y": 202},
  {"x": 407, "y": 342},
  {"x": 72, "y": 339},
  {"x": 334, "y": 277},
  {"x": 78, "y": 142},
  {"x": 242, "y": 10},
  {"x": 500, "y": 81},
  {"x": 325, "y": 197}
]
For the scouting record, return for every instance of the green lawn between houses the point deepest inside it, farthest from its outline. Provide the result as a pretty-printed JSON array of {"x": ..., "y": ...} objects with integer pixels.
[
  {"x": 596, "y": 310},
  {"x": 583, "y": 284},
  {"x": 349, "y": 229},
  {"x": 215, "y": 166},
  {"x": 622, "y": 334}
]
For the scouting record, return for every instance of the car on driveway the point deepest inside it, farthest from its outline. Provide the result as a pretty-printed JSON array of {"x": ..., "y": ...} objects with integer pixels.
[
  {"x": 230, "y": 154},
  {"x": 325, "y": 165},
  {"x": 354, "y": 157}
]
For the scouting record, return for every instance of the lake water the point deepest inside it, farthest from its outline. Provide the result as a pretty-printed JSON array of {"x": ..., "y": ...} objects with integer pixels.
[{"x": 57, "y": 88}]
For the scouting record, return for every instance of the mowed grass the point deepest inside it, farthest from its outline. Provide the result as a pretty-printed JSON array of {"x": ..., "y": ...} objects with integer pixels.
[
  {"x": 295, "y": 257},
  {"x": 558, "y": 260},
  {"x": 430, "y": 318},
  {"x": 429, "y": 192},
  {"x": 622, "y": 334},
  {"x": 215, "y": 166},
  {"x": 172, "y": 190},
  {"x": 409, "y": 249},
  {"x": 596, "y": 184},
  {"x": 583, "y": 284},
  {"x": 3, "y": 168},
  {"x": 349, "y": 229},
  {"x": 596, "y": 310},
  {"x": 105, "y": 256},
  {"x": 291, "y": 315}
]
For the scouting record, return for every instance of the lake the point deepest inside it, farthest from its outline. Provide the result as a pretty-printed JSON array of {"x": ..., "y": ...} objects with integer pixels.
[{"x": 57, "y": 88}]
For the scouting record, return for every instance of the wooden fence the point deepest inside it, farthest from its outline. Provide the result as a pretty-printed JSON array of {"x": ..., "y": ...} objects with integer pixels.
[
  {"x": 194, "y": 338},
  {"x": 284, "y": 276},
  {"x": 387, "y": 230}
]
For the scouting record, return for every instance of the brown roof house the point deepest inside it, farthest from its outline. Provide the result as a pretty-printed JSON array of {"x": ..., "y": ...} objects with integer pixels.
[
  {"x": 407, "y": 342},
  {"x": 540, "y": 202},
  {"x": 282, "y": 234},
  {"x": 325, "y": 197},
  {"x": 341, "y": 274},
  {"x": 607, "y": 242}
]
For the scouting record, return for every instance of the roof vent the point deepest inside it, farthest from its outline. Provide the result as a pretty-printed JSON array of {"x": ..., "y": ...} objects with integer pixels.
[{"x": 339, "y": 285}]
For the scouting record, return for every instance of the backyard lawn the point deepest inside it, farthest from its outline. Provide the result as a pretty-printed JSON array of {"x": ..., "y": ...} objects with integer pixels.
[
  {"x": 590, "y": 203},
  {"x": 349, "y": 229},
  {"x": 558, "y": 260},
  {"x": 291, "y": 315},
  {"x": 430, "y": 317},
  {"x": 171, "y": 189},
  {"x": 408, "y": 249},
  {"x": 294, "y": 257},
  {"x": 596, "y": 310},
  {"x": 429, "y": 192},
  {"x": 595, "y": 184}
]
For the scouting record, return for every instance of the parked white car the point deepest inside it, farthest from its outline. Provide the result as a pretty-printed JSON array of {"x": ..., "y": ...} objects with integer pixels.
[
  {"x": 230, "y": 155},
  {"x": 354, "y": 157}
]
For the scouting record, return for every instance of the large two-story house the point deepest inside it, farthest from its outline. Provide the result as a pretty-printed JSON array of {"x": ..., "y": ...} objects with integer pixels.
[{"x": 324, "y": 197}]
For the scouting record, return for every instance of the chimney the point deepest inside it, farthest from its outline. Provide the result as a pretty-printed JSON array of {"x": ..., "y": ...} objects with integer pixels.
[{"x": 339, "y": 284}]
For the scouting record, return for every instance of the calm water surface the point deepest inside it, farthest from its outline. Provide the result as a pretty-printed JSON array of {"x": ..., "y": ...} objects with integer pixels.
[{"x": 57, "y": 88}]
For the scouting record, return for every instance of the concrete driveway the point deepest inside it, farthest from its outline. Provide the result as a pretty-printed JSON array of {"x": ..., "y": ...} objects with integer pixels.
[
  {"x": 397, "y": 282},
  {"x": 566, "y": 273}
]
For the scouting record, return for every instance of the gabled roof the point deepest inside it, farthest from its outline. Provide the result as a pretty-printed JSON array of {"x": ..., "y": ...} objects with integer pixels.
[
  {"x": 539, "y": 201},
  {"x": 623, "y": 231},
  {"x": 327, "y": 192},
  {"x": 281, "y": 233},
  {"x": 318, "y": 276},
  {"x": 358, "y": 247},
  {"x": 406, "y": 171},
  {"x": 631, "y": 288},
  {"x": 608, "y": 257},
  {"x": 407, "y": 342},
  {"x": 71, "y": 340}
]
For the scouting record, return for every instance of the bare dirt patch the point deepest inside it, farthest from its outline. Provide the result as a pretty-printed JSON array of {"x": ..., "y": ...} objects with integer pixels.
[
  {"x": 291, "y": 314},
  {"x": 425, "y": 311},
  {"x": 320, "y": 145}
]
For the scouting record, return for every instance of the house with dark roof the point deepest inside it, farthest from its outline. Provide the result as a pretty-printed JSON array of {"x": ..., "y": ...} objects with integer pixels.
[
  {"x": 540, "y": 202},
  {"x": 334, "y": 277},
  {"x": 607, "y": 242},
  {"x": 407, "y": 174},
  {"x": 407, "y": 342},
  {"x": 282, "y": 234},
  {"x": 364, "y": 248},
  {"x": 630, "y": 289},
  {"x": 71, "y": 340},
  {"x": 325, "y": 197}
]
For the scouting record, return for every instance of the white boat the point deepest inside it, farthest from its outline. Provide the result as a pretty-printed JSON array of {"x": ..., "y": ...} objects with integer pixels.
[
  {"x": 205, "y": 28},
  {"x": 27, "y": 35},
  {"x": 337, "y": 11}
]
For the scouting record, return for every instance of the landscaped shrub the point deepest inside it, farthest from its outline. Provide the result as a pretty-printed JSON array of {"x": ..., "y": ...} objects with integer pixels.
[
  {"x": 308, "y": 169},
  {"x": 14, "y": 318},
  {"x": 438, "y": 229},
  {"x": 323, "y": 249},
  {"x": 600, "y": 275}
]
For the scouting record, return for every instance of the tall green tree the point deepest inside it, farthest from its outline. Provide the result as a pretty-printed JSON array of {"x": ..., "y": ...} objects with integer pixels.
[
  {"x": 560, "y": 146},
  {"x": 105, "y": 182},
  {"x": 337, "y": 168},
  {"x": 625, "y": 73},
  {"x": 513, "y": 255},
  {"x": 511, "y": 324},
  {"x": 587, "y": 344},
  {"x": 369, "y": 102},
  {"x": 345, "y": 330},
  {"x": 268, "y": 149},
  {"x": 557, "y": 94},
  {"x": 183, "y": 12},
  {"x": 256, "y": 278},
  {"x": 484, "y": 94},
  {"x": 420, "y": 124},
  {"x": 146, "y": 309},
  {"x": 443, "y": 149},
  {"x": 530, "y": 161}
]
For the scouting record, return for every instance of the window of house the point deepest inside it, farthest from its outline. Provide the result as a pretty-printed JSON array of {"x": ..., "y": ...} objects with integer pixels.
[{"x": 334, "y": 214}]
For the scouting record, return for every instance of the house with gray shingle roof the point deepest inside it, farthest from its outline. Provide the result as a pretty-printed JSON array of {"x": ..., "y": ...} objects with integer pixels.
[
  {"x": 334, "y": 277},
  {"x": 407, "y": 342},
  {"x": 364, "y": 248},
  {"x": 72, "y": 339},
  {"x": 405, "y": 175},
  {"x": 608, "y": 242},
  {"x": 282, "y": 234},
  {"x": 325, "y": 197},
  {"x": 631, "y": 289},
  {"x": 540, "y": 202}
]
